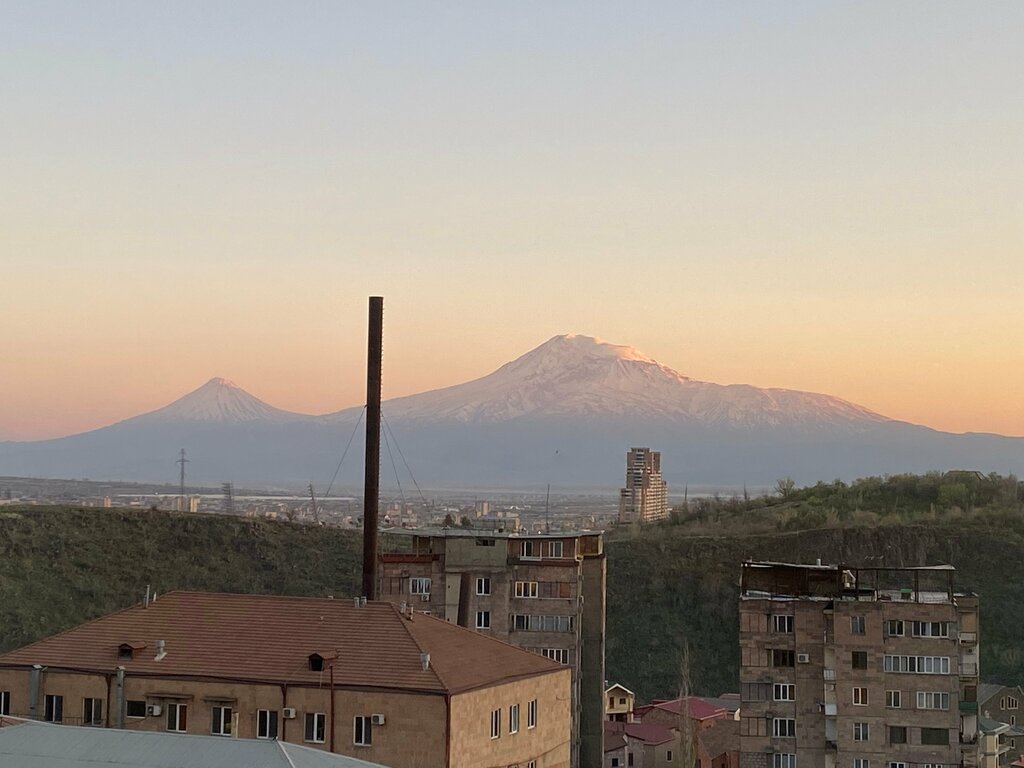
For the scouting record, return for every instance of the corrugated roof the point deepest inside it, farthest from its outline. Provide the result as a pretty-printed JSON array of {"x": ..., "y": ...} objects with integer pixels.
[
  {"x": 43, "y": 745},
  {"x": 270, "y": 639},
  {"x": 696, "y": 708}
]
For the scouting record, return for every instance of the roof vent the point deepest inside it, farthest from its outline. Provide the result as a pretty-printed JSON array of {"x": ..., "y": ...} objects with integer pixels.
[
  {"x": 355, "y": 601},
  {"x": 425, "y": 661},
  {"x": 316, "y": 662},
  {"x": 362, "y": 602},
  {"x": 161, "y": 650}
]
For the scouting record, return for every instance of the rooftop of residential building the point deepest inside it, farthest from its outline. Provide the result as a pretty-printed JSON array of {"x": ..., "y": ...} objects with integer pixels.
[
  {"x": 696, "y": 707},
  {"x": 272, "y": 639},
  {"x": 488, "y": 533}
]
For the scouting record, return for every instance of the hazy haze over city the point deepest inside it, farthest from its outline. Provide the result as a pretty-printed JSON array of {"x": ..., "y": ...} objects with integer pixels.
[{"x": 823, "y": 197}]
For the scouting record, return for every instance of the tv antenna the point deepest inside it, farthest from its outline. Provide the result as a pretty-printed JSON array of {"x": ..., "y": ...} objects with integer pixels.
[{"x": 181, "y": 487}]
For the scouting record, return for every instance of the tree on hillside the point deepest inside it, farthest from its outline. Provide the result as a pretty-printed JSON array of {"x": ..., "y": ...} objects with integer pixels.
[{"x": 784, "y": 486}]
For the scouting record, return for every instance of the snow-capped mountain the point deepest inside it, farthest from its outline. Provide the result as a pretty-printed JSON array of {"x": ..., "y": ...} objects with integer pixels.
[
  {"x": 575, "y": 375},
  {"x": 218, "y": 401}
]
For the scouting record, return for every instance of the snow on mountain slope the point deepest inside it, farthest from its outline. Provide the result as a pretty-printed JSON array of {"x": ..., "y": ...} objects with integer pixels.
[
  {"x": 580, "y": 376},
  {"x": 218, "y": 401}
]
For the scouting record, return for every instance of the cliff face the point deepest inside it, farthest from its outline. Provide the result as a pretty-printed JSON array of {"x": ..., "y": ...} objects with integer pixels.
[{"x": 664, "y": 587}]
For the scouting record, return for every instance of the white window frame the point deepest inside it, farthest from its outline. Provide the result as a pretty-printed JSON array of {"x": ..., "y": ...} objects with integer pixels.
[
  {"x": 860, "y": 696},
  {"x": 362, "y": 730},
  {"x": 53, "y": 708},
  {"x": 89, "y": 714},
  {"x": 938, "y": 629},
  {"x": 529, "y": 549},
  {"x": 483, "y": 585},
  {"x": 933, "y": 700},
  {"x": 561, "y": 655},
  {"x": 513, "y": 719},
  {"x": 483, "y": 619},
  {"x": 527, "y": 589},
  {"x": 783, "y": 727},
  {"x": 1009, "y": 702},
  {"x": 177, "y": 713},
  {"x": 895, "y": 628},
  {"x": 862, "y": 732},
  {"x": 556, "y": 550},
  {"x": 419, "y": 585},
  {"x": 221, "y": 720},
  {"x": 5, "y": 702},
  {"x": 782, "y": 623},
  {"x": 784, "y": 692},
  {"x": 896, "y": 764},
  {"x": 894, "y": 699},
  {"x": 531, "y": 714},
  {"x": 858, "y": 625},
  {"x": 495, "y": 723},
  {"x": 917, "y": 665},
  {"x": 319, "y": 722},
  {"x": 861, "y": 762},
  {"x": 783, "y": 760},
  {"x": 264, "y": 719}
]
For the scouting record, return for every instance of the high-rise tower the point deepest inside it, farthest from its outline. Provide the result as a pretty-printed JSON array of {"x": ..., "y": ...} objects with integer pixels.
[{"x": 645, "y": 497}]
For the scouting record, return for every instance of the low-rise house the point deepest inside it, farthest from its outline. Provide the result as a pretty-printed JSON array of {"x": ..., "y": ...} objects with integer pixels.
[
  {"x": 619, "y": 702},
  {"x": 636, "y": 745},
  {"x": 715, "y": 732},
  {"x": 368, "y": 680},
  {"x": 1004, "y": 704}
]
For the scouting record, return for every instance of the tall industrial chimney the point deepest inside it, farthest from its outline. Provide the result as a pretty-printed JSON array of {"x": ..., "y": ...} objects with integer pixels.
[{"x": 371, "y": 478}]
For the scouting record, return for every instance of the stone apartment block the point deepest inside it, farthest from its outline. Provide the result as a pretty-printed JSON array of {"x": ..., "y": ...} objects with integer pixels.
[
  {"x": 856, "y": 668},
  {"x": 367, "y": 680},
  {"x": 544, "y": 592}
]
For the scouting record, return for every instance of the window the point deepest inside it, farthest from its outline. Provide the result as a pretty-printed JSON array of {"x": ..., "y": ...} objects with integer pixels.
[
  {"x": 316, "y": 727},
  {"x": 783, "y": 727},
  {"x": 892, "y": 699},
  {"x": 755, "y": 691},
  {"x": 530, "y": 549},
  {"x": 897, "y": 734},
  {"x": 221, "y": 721},
  {"x": 316, "y": 662},
  {"x": 932, "y": 700},
  {"x": 783, "y": 760},
  {"x": 857, "y": 625},
  {"x": 930, "y": 628},
  {"x": 555, "y": 549},
  {"x": 135, "y": 708},
  {"x": 859, "y": 659},
  {"x": 362, "y": 731},
  {"x": 177, "y": 718},
  {"x": 496, "y": 723},
  {"x": 860, "y": 697},
  {"x": 485, "y": 542},
  {"x": 533, "y": 763},
  {"x": 483, "y": 619},
  {"x": 615, "y": 762},
  {"x": 5, "y": 702},
  {"x": 483, "y": 585},
  {"x": 535, "y": 623},
  {"x": 629, "y": 760},
  {"x": 895, "y": 764},
  {"x": 782, "y": 658},
  {"x": 922, "y": 665},
  {"x": 668, "y": 756},
  {"x": 92, "y": 711},
  {"x": 513, "y": 719},
  {"x": 1008, "y": 702},
  {"x": 784, "y": 692},
  {"x": 561, "y": 655},
  {"x": 526, "y": 589},
  {"x": 531, "y": 714},
  {"x": 266, "y": 724},
  {"x": 555, "y": 589},
  {"x": 861, "y": 762},
  {"x": 782, "y": 624},
  {"x": 419, "y": 586},
  {"x": 53, "y": 708},
  {"x": 861, "y": 732},
  {"x": 894, "y": 628},
  {"x": 935, "y": 736}
]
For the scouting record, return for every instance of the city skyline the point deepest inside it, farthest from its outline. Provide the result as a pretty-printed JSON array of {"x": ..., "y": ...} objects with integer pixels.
[{"x": 821, "y": 198}]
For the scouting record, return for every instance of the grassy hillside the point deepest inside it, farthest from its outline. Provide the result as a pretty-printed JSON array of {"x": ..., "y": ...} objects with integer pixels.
[{"x": 60, "y": 566}]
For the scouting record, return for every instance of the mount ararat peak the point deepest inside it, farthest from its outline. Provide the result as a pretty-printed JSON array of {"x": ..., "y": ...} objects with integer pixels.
[{"x": 218, "y": 401}]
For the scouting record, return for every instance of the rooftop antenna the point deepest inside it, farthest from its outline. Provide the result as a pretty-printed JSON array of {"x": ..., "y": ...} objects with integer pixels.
[
  {"x": 371, "y": 476},
  {"x": 316, "y": 511},
  {"x": 181, "y": 487},
  {"x": 547, "y": 510}
]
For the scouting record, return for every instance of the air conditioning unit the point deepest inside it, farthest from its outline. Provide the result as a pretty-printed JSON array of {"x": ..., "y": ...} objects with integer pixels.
[
  {"x": 377, "y": 719},
  {"x": 803, "y": 658},
  {"x": 288, "y": 713},
  {"x": 153, "y": 710},
  {"x": 425, "y": 598}
]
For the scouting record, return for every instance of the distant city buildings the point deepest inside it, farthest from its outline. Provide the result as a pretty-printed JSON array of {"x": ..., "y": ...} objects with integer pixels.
[
  {"x": 645, "y": 497},
  {"x": 544, "y": 592}
]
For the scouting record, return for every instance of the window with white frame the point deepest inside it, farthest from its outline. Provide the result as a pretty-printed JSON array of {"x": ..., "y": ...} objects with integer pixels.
[
  {"x": 531, "y": 714},
  {"x": 316, "y": 727},
  {"x": 92, "y": 711},
  {"x": 495, "y": 723},
  {"x": 861, "y": 762},
  {"x": 857, "y": 625},
  {"x": 783, "y": 727},
  {"x": 893, "y": 699},
  {"x": 53, "y": 708},
  {"x": 529, "y": 550},
  {"x": 860, "y": 696},
  {"x": 513, "y": 719},
  {"x": 483, "y": 585},
  {"x": 894, "y": 628},
  {"x": 483, "y": 619},
  {"x": 362, "y": 730},
  {"x": 930, "y": 628},
  {"x": 932, "y": 700},
  {"x": 895, "y": 764},
  {"x": 561, "y": 655},
  {"x": 266, "y": 724},
  {"x": 220, "y": 720},
  {"x": 541, "y": 623},
  {"x": 555, "y": 549},
  {"x": 419, "y": 586},
  {"x": 526, "y": 589},
  {"x": 783, "y": 760},
  {"x": 5, "y": 702},
  {"x": 921, "y": 665},
  {"x": 1008, "y": 702},
  {"x": 861, "y": 732},
  {"x": 784, "y": 692},
  {"x": 177, "y": 717},
  {"x": 782, "y": 624}
]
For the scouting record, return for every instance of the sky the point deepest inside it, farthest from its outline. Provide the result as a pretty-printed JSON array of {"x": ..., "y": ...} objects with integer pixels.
[{"x": 822, "y": 196}]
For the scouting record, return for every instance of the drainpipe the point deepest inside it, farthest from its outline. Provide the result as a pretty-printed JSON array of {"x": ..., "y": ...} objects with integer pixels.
[
  {"x": 106, "y": 714},
  {"x": 33, "y": 691},
  {"x": 332, "y": 704},
  {"x": 284, "y": 703},
  {"x": 119, "y": 699}
]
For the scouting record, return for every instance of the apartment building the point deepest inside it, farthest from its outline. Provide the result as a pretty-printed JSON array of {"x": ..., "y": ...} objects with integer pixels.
[
  {"x": 645, "y": 497},
  {"x": 544, "y": 592},
  {"x": 367, "y": 680},
  {"x": 856, "y": 667}
]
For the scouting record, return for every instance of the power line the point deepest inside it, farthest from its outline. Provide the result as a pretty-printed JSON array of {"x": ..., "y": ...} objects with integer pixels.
[
  {"x": 387, "y": 428},
  {"x": 387, "y": 444},
  {"x": 343, "y": 455}
]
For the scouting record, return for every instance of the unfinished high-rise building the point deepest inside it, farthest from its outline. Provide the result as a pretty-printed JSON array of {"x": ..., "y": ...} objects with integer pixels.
[{"x": 645, "y": 497}]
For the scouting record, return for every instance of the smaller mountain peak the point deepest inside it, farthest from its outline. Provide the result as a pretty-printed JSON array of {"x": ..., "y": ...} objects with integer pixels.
[{"x": 220, "y": 381}]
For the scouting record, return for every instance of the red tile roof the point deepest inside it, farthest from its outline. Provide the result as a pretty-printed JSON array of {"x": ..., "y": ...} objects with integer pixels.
[
  {"x": 269, "y": 639},
  {"x": 696, "y": 708},
  {"x": 649, "y": 733}
]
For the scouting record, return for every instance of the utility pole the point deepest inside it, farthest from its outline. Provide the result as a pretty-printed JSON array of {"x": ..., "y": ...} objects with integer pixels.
[
  {"x": 181, "y": 488},
  {"x": 371, "y": 476},
  {"x": 312, "y": 497},
  {"x": 229, "y": 498}
]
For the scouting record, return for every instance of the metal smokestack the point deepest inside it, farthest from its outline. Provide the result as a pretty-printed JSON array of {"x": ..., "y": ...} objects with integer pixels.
[{"x": 371, "y": 478}]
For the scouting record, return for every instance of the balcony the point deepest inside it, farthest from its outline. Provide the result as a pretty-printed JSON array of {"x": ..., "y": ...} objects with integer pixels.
[
  {"x": 829, "y": 674},
  {"x": 968, "y": 669},
  {"x": 967, "y": 638},
  {"x": 969, "y": 706}
]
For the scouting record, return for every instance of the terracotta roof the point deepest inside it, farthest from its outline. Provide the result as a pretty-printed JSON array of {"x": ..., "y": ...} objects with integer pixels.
[
  {"x": 696, "y": 708},
  {"x": 269, "y": 639},
  {"x": 649, "y": 733}
]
